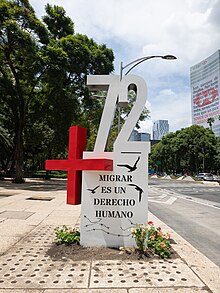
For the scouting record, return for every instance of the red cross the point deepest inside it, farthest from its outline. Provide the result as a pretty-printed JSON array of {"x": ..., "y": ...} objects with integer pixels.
[{"x": 75, "y": 164}]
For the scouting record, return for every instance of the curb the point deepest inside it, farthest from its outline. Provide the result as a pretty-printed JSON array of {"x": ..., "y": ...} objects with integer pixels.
[{"x": 205, "y": 269}]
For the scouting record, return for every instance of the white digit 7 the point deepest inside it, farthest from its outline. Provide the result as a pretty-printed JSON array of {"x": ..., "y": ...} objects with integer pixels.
[{"x": 109, "y": 109}]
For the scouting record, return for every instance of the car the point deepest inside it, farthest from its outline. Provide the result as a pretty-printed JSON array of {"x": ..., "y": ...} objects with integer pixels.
[
  {"x": 207, "y": 177},
  {"x": 201, "y": 175},
  {"x": 215, "y": 178}
]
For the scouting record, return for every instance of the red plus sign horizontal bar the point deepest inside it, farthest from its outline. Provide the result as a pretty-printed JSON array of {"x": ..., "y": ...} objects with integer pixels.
[
  {"x": 80, "y": 164},
  {"x": 75, "y": 164}
]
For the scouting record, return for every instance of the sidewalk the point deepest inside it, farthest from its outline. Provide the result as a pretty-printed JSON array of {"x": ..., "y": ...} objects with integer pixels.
[{"x": 28, "y": 215}]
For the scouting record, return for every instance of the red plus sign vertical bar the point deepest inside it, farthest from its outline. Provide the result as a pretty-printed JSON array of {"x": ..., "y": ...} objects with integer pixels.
[{"x": 77, "y": 144}]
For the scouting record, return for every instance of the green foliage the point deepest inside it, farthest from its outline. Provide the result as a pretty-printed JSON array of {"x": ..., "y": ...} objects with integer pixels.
[
  {"x": 216, "y": 158},
  {"x": 159, "y": 242},
  {"x": 57, "y": 22},
  {"x": 210, "y": 121},
  {"x": 52, "y": 174},
  {"x": 190, "y": 150},
  {"x": 126, "y": 110},
  {"x": 20, "y": 35},
  {"x": 150, "y": 237},
  {"x": 5, "y": 142},
  {"x": 66, "y": 235},
  {"x": 95, "y": 116},
  {"x": 43, "y": 68},
  {"x": 140, "y": 235}
]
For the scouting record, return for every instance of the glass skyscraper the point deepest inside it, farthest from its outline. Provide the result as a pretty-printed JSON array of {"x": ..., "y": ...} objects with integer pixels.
[{"x": 160, "y": 129}]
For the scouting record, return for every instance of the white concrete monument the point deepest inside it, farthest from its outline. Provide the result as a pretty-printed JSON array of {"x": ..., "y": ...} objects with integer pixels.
[{"x": 115, "y": 201}]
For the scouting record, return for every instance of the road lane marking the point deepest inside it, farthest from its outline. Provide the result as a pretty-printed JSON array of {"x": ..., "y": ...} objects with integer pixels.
[
  {"x": 169, "y": 201},
  {"x": 209, "y": 204},
  {"x": 162, "y": 196},
  {"x": 186, "y": 197}
]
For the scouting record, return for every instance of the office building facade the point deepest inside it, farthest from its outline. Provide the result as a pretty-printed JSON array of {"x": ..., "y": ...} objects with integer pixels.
[
  {"x": 139, "y": 136},
  {"x": 205, "y": 100},
  {"x": 160, "y": 129}
]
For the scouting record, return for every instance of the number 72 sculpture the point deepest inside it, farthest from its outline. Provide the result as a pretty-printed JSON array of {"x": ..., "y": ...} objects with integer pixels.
[{"x": 112, "y": 186}]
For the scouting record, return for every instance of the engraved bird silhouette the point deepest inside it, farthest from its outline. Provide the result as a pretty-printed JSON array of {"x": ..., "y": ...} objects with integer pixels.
[
  {"x": 94, "y": 189},
  {"x": 131, "y": 168},
  {"x": 140, "y": 190}
]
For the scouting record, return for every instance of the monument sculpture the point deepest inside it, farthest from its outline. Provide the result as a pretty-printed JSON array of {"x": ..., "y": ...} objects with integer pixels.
[{"x": 112, "y": 186}]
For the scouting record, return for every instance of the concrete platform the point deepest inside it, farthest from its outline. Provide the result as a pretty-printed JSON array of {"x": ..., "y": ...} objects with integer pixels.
[{"x": 27, "y": 232}]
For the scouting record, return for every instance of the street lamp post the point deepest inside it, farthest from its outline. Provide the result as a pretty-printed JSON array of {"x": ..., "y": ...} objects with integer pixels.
[
  {"x": 142, "y": 59},
  {"x": 134, "y": 63}
]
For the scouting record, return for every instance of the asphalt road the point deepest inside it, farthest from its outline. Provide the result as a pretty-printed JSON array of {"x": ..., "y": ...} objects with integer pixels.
[{"x": 192, "y": 210}]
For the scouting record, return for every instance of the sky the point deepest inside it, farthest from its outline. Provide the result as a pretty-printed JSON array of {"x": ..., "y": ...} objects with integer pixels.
[{"x": 187, "y": 29}]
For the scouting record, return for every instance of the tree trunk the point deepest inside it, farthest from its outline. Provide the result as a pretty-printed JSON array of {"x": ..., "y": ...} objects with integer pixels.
[{"x": 19, "y": 153}]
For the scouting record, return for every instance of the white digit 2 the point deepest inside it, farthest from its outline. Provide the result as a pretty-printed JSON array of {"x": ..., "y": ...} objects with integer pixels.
[{"x": 141, "y": 98}]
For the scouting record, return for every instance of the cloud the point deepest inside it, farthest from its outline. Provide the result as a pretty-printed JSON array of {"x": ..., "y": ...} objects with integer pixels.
[
  {"x": 187, "y": 29},
  {"x": 167, "y": 92},
  {"x": 146, "y": 126},
  {"x": 214, "y": 15},
  {"x": 174, "y": 107},
  {"x": 153, "y": 27}
]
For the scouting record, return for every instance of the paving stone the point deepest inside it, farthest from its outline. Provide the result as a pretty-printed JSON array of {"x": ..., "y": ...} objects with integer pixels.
[
  {"x": 168, "y": 290},
  {"x": 192, "y": 256},
  {"x": 40, "y": 236},
  {"x": 15, "y": 228},
  {"x": 21, "y": 215},
  {"x": 199, "y": 263},
  {"x": 6, "y": 193},
  {"x": 7, "y": 242},
  {"x": 156, "y": 273},
  {"x": 21, "y": 291},
  {"x": 86, "y": 291},
  {"x": 210, "y": 277},
  {"x": 29, "y": 267},
  {"x": 69, "y": 221}
]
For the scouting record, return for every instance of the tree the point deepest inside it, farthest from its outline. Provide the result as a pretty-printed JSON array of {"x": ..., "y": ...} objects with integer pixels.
[
  {"x": 20, "y": 68},
  {"x": 42, "y": 72},
  {"x": 188, "y": 150},
  {"x": 156, "y": 158},
  {"x": 71, "y": 57},
  {"x": 58, "y": 24},
  {"x": 6, "y": 138},
  {"x": 210, "y": 121},
  {"x": 217, "y": 157},
  {"x": 5, "y": 148}
]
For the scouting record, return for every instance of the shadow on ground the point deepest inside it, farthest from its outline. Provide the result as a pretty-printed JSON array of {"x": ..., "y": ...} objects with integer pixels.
[{"x": 35, "y": 184}]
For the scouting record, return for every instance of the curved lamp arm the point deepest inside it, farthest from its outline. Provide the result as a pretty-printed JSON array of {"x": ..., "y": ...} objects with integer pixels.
[{"x": 140, "y": 60}]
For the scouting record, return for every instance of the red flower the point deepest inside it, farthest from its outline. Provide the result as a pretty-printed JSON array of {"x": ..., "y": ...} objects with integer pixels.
[
  {"x": 162, "y": 245},
  {"x": 150, "y": 223},
  {"x": 153, "y": 237}
]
